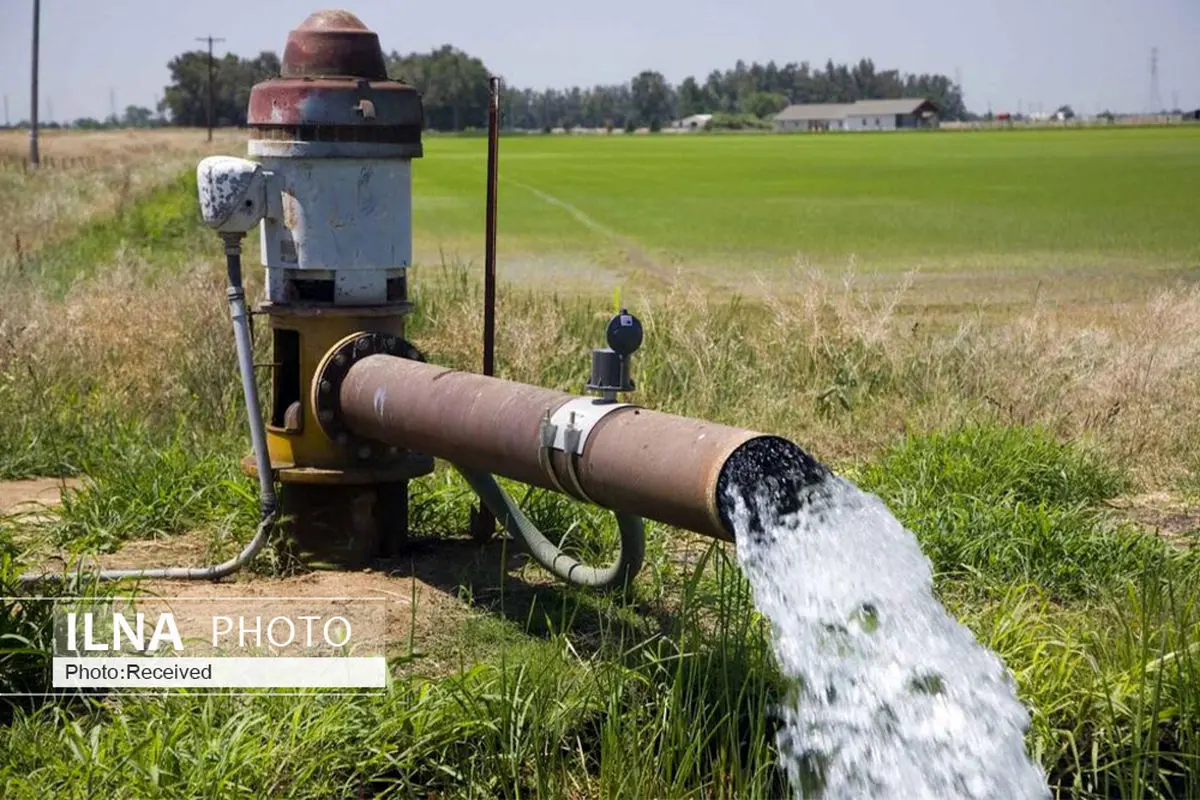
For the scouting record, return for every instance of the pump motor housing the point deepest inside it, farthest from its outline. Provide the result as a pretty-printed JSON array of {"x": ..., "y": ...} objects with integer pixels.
[{"x": 338, "y": 137}]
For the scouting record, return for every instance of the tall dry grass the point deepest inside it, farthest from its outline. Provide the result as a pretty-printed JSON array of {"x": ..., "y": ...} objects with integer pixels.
[
  {"x": 838, "y": 367},
  {"x": 87, "y": 175}
]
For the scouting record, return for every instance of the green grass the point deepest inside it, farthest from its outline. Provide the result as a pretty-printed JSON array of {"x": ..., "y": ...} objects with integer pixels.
[
  {"x": 152, "y": 229},
  {"x": 1076, "y": 198},
  {"x": 551, "y": 692},
  {"x": 1014, "y": 505}
]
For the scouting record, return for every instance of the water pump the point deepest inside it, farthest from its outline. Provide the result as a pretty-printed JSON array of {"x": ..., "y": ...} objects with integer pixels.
[
  {"x": 355, "y": 412},
  {"x": 331, "y": 191}
]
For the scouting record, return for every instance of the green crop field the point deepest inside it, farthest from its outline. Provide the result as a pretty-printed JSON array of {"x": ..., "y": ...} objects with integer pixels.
[{"x": 1095, "y": 199}]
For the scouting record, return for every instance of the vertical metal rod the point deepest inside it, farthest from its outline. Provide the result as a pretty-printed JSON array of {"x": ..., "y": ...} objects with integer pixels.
[
  {"x": 34, "y": 157},
  {"x": 483, "y": 522},
  {"x": 489, "y": 255}
]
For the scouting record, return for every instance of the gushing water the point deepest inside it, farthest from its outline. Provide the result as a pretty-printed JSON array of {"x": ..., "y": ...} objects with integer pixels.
[{"x": 894, "y": 698}]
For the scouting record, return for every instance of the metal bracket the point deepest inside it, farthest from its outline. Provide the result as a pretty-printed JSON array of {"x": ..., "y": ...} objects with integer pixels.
[
  {"x": 567, "y": 430},
  {"x": 572, "y": 422}
]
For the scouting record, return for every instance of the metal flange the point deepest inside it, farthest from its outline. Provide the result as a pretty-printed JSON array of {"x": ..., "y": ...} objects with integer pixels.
[{"x": 327, "y": 385}]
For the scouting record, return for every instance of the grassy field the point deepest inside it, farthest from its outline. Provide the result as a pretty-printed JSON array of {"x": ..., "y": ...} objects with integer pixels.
[
  {"x": 726, "y": 205},
  {"x": 1046, "y": 453}
]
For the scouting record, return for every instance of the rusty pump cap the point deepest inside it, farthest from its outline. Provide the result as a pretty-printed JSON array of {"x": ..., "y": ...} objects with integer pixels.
[
  {"x": 333, "y": 98},
  {"x": 330, "y": 44}
]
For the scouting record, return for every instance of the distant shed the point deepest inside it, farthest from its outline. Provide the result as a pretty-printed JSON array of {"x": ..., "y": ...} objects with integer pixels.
[
  {"x": 890, "y": 115},
  {"x": 863, "y": 115}
]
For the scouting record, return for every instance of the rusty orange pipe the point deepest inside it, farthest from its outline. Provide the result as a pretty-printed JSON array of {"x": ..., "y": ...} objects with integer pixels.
[{"x": 663, "y": 467}]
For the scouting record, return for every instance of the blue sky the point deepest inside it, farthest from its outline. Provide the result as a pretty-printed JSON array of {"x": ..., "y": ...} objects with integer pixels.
[{"x": 1093, "y": 54}]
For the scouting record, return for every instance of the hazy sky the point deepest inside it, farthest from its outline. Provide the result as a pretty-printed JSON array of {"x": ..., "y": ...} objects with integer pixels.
[{"x": 1092, "y": 53}]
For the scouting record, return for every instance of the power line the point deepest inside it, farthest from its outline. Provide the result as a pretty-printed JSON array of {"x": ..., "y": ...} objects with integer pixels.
[{"x": 210, "y": 39}]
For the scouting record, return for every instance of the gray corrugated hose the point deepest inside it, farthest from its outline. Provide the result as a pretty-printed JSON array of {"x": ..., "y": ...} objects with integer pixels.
[
  {"x": 617, "y": 575},
  {"x": 258, "y": 436}
]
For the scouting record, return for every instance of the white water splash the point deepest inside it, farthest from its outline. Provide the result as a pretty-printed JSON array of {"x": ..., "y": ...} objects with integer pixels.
[{"x": 894, "y": 697}]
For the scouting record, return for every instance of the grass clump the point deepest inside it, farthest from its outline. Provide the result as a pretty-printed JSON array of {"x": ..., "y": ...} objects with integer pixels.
[
  {"x": 1096, "y": 619},
  {"x": 152, "y": 228},
  {"x": 138, "y": 489},
  {"x": 992, "y": 461},
  {"x": 1014, "y": 505}
]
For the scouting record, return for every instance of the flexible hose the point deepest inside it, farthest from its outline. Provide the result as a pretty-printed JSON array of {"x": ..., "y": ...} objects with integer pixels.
[
  {"x": 618, "y": 575},
  {"x": 268, "y": 503}
]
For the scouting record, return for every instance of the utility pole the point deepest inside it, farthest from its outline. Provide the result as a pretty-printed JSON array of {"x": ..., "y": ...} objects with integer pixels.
[
  {"x": 1155, "y": 97},
  {"x": 6, "y": 111},
  {"x": 34, "y": 158},
  {"x": 210, "y": 41}
]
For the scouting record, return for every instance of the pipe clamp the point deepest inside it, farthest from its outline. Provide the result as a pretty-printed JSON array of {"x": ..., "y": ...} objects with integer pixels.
[{"x": 567, "y": 429}]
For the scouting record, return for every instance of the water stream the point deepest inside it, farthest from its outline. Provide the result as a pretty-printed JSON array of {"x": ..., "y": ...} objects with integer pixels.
[{"x": 894, "y": 698}]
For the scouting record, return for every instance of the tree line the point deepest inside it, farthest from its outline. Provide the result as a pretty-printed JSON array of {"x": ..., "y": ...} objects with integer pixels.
[
  {"x": 454, "y": 88},
  {"x": 455, "y": 93},
  {"x": 750, "y": 92}
]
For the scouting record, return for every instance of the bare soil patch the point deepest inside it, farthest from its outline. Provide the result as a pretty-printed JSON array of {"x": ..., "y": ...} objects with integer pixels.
[
  {"x": 430, "y": 592},
  {"x": 29, "y": 495},
  {"x": 1173, "y": 519}
]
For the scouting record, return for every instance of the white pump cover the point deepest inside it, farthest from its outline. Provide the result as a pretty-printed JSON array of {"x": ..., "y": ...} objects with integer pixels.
[{"x": 233, "y": 193}]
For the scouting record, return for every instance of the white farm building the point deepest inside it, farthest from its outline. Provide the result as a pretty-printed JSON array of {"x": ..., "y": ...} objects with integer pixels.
[{"x": 863, "y": 115}]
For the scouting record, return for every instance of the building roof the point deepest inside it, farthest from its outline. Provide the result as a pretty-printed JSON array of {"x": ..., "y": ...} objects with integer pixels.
[
  {"x": 807, "y": 111},
  {"x": 904, "y": 105}
]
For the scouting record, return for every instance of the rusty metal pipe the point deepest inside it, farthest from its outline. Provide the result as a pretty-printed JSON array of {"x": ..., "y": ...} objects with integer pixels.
[{"x": 668, "y": 468}]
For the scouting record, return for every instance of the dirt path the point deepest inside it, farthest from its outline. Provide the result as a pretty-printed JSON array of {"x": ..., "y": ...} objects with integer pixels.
[
  {"x": 1167, "y": 515},
  {"x": 30, "y": 495},
  {"x": 431, "y": 593},
  {"x": 636, "y": 255}
]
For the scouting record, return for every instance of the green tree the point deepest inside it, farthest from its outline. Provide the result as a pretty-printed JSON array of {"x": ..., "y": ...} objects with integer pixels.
[
  {"x": 185, "y": 100},
  {"x": 453, "y": 85},
  {"x": 137, "y": 117},
  {"x": 692, "y": 99},
  {"x": 763, "y": 104},
  {"x": 652, "y": 99}
]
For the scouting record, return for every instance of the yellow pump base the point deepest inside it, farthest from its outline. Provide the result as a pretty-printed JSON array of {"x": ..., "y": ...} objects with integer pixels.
[{"x": 344, "y": 499}]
